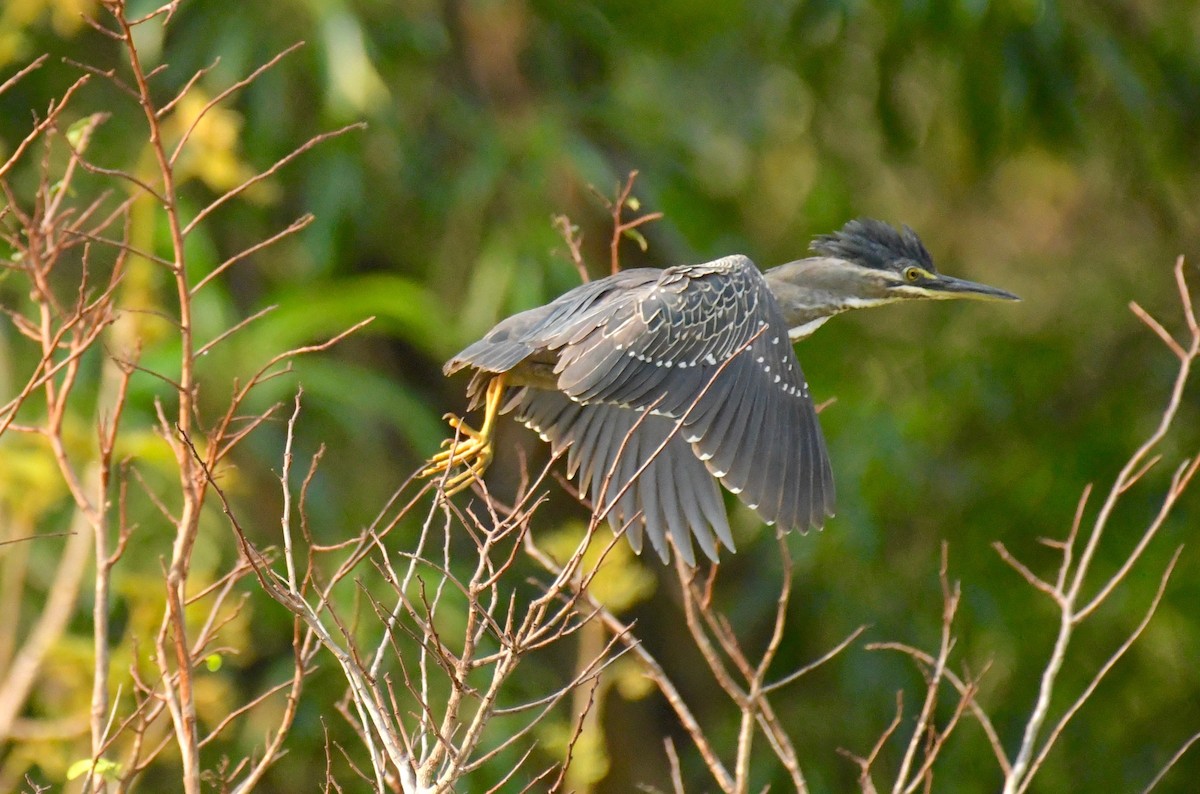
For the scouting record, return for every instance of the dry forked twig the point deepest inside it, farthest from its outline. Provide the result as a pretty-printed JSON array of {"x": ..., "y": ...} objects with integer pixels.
[
  {"x": 927, "y": 739},
  {"x": 866, "y": 763},
  {"x": 752, "y": 700},
  {"x": 173, "y": 657},
  {"x": 653, "y": 670},
  {"x": 47, "y": 123},
  {"x": 63, "y": 327},
  {"x": 173, "y": 654},
  {"x": 951, "y": 593},
  {"x": 1066, "y": 591},
  {"x": 278, "y": 588},
  {"x": 749, "y": 697},
  {"x": 574, "y": 240},
  {"x": 966, "y": 687},
  {"x": 433, "y": 748},
  {"x": 623, "y": 199},
  {"x": 66, "y": 328}
]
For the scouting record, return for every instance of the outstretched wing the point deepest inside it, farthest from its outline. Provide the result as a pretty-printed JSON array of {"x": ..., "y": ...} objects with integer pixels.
[
  {"x": 527, "y": 333},
  {"x": 706, "y": 344},
  {"x": 673, "y": 494}
]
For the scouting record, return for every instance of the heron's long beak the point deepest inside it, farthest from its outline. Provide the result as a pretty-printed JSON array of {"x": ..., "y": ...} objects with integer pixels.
[{"x": 950, "y": 287}]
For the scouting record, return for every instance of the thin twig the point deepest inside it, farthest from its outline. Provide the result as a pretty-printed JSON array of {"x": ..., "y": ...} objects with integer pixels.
[{"x": 1162, "y": 773}]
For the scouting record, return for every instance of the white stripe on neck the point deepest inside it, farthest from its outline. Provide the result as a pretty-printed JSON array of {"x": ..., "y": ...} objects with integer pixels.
[{"x": 801, "y": 331}]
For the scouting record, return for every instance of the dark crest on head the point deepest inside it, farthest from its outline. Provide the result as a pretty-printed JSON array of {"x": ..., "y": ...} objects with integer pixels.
[{"x": 873, "y": 243}]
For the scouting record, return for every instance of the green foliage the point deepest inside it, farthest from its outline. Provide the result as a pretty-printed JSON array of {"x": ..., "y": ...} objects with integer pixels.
[{"x": 107, "y": 769}]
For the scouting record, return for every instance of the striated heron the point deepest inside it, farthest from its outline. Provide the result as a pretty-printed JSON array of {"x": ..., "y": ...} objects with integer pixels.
[{"x": 658, "y": 383}]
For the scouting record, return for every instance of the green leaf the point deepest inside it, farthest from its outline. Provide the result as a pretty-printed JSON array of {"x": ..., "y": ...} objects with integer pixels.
[
  {"x": 77, "y": 131},
  {"x": 636, "y": 236},
  {"x": 109, "y": 770}
]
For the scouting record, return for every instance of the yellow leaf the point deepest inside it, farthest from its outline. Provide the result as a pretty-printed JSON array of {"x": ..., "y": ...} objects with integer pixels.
[
  {"x": 621, "y": 581},
  {"x": 212, "y": 152}
]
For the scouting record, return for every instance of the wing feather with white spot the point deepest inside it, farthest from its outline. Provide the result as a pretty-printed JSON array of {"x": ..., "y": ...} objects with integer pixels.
[
  {"x": 674, "y": 494},
  {"x": 582, "y": 310},
  {"x": 707, "y": 344}
]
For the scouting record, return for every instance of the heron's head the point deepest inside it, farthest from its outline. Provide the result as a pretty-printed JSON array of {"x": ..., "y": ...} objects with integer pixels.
[{"x": 866, "y": 263}]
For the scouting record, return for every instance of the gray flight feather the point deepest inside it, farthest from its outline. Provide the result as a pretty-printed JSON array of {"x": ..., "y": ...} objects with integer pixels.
[{"x": 706, "y": 349}]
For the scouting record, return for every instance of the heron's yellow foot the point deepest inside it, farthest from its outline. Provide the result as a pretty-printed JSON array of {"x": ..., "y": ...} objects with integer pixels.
[{"x": 470, "y": 448}]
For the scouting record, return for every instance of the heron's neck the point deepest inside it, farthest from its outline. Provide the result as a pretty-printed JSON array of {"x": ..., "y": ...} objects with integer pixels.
[
  {"x": 809, "y": 292},
  {"x": 805, "y": 306}
]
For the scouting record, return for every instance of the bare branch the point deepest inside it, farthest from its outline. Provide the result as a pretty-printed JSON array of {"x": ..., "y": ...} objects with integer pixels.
[
  {"x": 187, "y": 88},
  {"x": 1026, "y": 574},
  {"x": 218, "y": 99},
  {"x": 574, "y": 240},
  {"x": 1155, "y": 326},
  {"x": 813, "y": 665},
  {"x": 293, "y": 227},
  {"x": 865, "y": 764},
  {"x": 1162, "y": 773},
  {"x": 56, "y": 108},
  {"x": 1057, "y": 730},
  {"x": 20, "y": 74},
  {"x": 262, "y": 175}
]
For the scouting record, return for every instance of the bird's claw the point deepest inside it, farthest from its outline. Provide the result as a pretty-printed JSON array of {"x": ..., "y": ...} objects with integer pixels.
[{"x": 470, "y": 449}]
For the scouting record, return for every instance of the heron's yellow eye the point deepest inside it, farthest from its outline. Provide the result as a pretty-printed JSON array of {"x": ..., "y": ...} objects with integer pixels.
[{"x": 912, "y": 274}]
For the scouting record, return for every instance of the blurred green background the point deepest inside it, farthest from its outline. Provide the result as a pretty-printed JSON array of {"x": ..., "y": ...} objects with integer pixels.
[{"x": 1049, "y": 148}]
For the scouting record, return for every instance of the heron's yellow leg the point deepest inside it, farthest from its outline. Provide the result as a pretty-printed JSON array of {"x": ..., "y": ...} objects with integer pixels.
[{"x": 469, "y": 448}]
